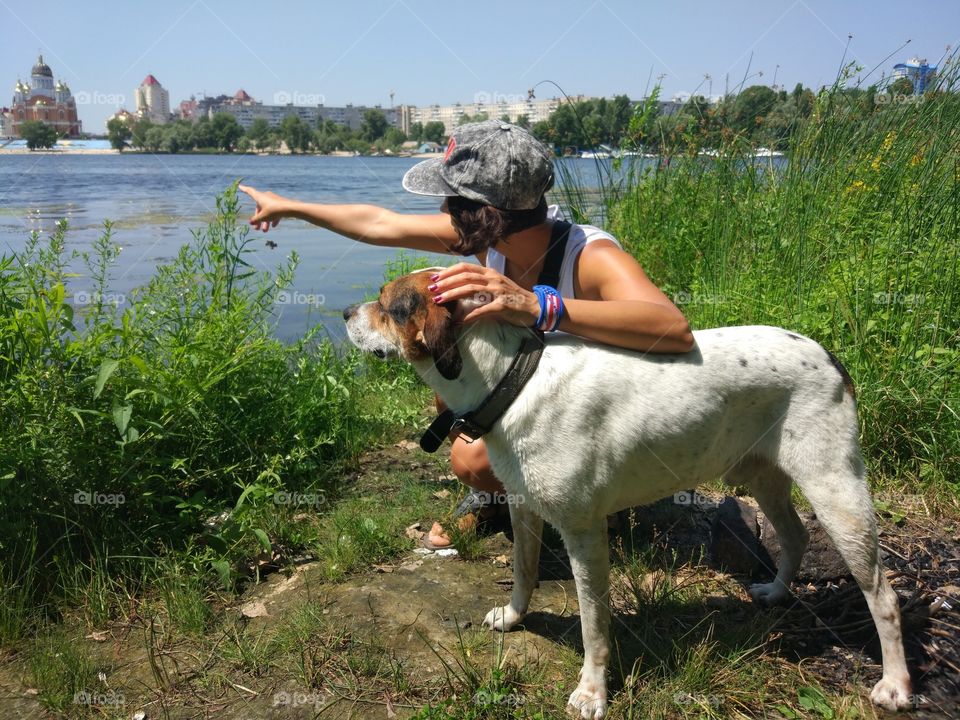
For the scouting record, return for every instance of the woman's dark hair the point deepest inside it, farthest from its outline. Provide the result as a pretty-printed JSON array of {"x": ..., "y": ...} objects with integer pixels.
[{"x": 483, "y": 226}]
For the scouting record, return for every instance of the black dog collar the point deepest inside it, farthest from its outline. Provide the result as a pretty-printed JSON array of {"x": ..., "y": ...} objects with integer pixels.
[{"x": 477, "y": 423}]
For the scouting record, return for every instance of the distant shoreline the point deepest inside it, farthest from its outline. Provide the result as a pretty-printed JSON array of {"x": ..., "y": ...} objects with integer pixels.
[{"x": 110, "y": 151}]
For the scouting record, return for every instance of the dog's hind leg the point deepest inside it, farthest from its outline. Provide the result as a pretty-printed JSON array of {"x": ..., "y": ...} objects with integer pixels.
[
  {"x": 590, "y": 561},
  {"x": 527, "y": 534},
  {"x": 770, "y": 486},
  {"x": 839, "y": 495}
]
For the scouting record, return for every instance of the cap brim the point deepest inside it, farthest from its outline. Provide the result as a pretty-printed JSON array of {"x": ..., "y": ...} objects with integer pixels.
[{"x": 424, "y": 179}]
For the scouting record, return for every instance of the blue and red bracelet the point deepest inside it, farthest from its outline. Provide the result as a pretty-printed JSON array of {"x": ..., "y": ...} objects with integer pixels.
[{"x": 551, "y": 308}]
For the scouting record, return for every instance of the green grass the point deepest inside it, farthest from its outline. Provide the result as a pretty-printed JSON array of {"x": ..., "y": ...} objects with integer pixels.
[
  {"x": 235, "y": 453},
  {"x": 127, "y": 430}
]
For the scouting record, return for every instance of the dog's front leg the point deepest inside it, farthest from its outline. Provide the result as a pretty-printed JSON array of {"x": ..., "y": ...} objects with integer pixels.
[
  {"x": 590, "y": 561},
  {"x": 527, "y": 533}
]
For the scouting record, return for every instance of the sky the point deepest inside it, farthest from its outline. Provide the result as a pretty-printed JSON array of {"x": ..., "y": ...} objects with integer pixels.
[{"x": 444, "y": 52}]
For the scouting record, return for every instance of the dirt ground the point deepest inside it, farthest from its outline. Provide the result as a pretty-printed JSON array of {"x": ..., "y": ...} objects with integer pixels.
[{"x": 420, "y": 608}]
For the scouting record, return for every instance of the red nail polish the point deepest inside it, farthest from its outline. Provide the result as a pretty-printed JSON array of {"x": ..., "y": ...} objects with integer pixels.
[
  {"x": 431, "y": 288},
  {"x": 438, "y": 299},
  {"x": 434, "y": 278}
]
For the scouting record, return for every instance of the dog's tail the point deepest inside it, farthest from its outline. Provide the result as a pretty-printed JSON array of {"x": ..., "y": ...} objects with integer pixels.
[{"x": 847, "y": 380}]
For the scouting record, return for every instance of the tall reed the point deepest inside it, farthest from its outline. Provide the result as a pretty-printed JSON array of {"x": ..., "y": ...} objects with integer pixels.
[{"x": 851, "y": 239}]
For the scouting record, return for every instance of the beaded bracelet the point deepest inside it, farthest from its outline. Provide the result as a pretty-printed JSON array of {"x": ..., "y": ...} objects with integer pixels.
[{"x": 551, "y": 308}]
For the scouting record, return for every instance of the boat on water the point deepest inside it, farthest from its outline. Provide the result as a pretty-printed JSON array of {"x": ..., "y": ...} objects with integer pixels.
[
  {"x": 762, "y": 152},
  {"x": 601, "y": 152}
]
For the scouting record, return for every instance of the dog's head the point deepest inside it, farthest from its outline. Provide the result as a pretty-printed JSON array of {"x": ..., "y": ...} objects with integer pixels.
[{"x": 404, "y": 321}]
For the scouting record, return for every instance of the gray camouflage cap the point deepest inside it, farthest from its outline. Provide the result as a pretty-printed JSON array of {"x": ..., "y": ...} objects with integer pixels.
[{"x": 492, "y": 162}]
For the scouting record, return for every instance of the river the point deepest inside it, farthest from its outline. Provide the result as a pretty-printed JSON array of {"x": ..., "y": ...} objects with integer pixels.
[{"x": 156, "y": 201}]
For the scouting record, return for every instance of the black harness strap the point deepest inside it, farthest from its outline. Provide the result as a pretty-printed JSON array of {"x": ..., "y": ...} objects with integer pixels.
[{"x": 559, "y": 233}]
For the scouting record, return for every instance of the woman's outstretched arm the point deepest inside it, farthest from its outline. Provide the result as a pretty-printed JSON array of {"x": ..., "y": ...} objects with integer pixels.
[{"x": 366, "y": 223}]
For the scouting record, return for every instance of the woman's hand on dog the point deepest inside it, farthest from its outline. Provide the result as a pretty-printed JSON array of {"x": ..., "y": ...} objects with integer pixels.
[{"x": 494, "y": 294}]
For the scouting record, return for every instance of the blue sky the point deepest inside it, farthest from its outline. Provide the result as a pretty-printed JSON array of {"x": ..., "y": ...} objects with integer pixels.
[{"x": 443, "y": 52}]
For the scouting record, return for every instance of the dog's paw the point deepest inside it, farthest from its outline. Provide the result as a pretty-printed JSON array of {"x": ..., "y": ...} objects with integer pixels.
[
  {"x": 502, "y": 618},
  {"x": 588, "y": 701},
  {"x": 891, "y": 694},
  {"x": 769, "y": 594}
]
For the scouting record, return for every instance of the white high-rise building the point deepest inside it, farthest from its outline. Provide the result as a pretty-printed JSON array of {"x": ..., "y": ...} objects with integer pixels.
[{"x": 153, "y": 101}]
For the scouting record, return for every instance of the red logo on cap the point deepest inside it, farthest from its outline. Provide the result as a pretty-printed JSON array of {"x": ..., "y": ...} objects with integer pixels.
[{"x": 451, "y": 146}]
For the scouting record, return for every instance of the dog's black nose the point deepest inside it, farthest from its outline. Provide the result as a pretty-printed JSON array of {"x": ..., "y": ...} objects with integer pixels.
[{"x": 349, "y": 311}]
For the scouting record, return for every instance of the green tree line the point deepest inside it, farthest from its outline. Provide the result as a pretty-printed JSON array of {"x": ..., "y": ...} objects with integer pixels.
[
  {"x": 759, "y": 115},
  {"x": 223, "y": 133}
]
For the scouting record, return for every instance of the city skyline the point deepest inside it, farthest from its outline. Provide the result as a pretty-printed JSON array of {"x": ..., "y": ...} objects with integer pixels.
[{"x": 421, "y": 53}]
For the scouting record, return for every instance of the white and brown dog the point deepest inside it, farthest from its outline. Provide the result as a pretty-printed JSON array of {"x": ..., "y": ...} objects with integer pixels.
[{"x": 599, "y": 429}]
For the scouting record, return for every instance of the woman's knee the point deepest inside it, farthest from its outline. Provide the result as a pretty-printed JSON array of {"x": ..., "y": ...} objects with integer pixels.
[{"x": 469, "y": 460}]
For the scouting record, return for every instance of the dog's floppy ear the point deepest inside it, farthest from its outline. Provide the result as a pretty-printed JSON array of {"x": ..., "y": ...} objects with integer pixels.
[{"x": 441, "y": 341}]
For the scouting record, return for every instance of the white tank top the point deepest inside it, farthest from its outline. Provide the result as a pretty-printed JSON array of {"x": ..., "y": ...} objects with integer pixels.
[{"x": 579, "y": 236}]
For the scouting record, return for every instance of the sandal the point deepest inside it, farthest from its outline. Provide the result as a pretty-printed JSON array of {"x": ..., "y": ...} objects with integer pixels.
[{"x": 479, "y": 510}]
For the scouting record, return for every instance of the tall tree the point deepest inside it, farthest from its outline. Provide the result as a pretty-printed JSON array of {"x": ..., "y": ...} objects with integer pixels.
[
  {"x": 226, "y": 131},
  {"x": 259, "y": 133},
  {"x": 434, "y": 131},
  {"x": 751, "y": 106},
  {"x": 374, "y": 125},
  {"x": 296, "y": 133},
  {"x": 118, "y": 132},
  {"x": 38, "y": 134}
]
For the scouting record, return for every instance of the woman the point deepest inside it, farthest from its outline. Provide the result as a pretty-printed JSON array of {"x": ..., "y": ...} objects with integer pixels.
[{"x": 494, "y": 177}]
